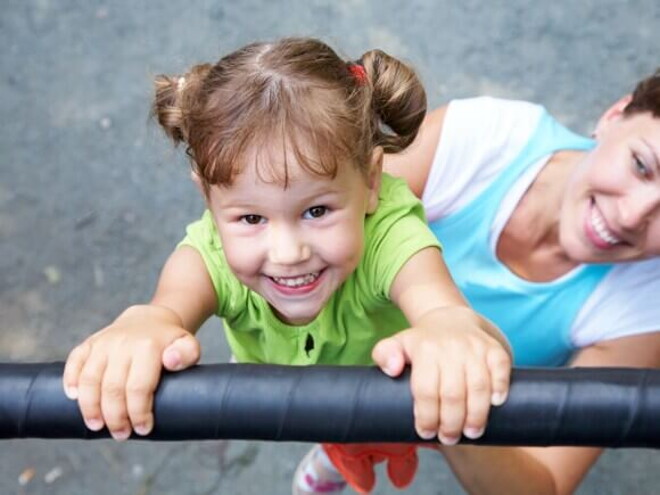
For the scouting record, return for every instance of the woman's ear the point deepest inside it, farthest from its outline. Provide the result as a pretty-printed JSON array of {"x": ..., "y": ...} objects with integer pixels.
[
  {"x": 615, "y": 112},
  {"x": 373, "y": 179}
]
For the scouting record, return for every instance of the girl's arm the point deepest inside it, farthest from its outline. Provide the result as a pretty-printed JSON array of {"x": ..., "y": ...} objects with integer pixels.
[
  {"x": 551, "y": 470},
  {"x": 185, "y": 287},
  {"x": 460, "y": 361},
  {"x": 114, "y": 373},
  {"x": 414, "y": 163}
]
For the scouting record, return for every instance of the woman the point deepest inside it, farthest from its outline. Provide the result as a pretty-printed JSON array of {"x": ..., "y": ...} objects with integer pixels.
[{"x": 554, "y": 237}]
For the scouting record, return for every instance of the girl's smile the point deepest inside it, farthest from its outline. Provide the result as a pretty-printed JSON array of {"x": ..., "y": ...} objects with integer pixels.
[
  {"x": 294, "y": 245},
  {"x": 297, "y": 285}
]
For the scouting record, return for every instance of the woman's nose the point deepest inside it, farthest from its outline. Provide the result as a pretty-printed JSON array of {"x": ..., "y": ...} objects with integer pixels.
[{"x": 637, "y": 208}]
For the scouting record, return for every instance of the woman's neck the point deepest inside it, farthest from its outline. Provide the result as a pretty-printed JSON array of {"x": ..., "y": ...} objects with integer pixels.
[{"x": 529, "y": 243}]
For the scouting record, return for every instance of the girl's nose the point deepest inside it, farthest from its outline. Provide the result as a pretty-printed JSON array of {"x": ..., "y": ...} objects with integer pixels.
[{"x": 287, "y": 247}]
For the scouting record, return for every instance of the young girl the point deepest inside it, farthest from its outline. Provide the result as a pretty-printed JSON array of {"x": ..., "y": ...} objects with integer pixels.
[{"x": 306, "y": 251}]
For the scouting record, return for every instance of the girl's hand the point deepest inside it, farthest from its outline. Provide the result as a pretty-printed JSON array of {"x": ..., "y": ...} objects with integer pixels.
[
  {"x": 458, "y": 370},
  {"x": 114, "y": 373}
]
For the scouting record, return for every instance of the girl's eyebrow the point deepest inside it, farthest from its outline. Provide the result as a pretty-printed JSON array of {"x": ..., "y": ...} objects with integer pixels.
[
  {"x": 251, "y": 201},
  {"x": 327, "y": 191}
]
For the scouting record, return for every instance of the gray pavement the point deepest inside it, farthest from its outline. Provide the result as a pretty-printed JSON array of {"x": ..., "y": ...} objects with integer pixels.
[{"x": 92, "y": 198}]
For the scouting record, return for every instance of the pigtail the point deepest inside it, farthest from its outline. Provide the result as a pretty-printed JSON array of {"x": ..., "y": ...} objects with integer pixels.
[
  {"x": 174, "y": 99},
  {"x": 398, "y": 100}
]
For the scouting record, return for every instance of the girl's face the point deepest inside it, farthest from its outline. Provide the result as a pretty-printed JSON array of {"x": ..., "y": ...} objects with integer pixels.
[
  {"x": 295, "y": 246},
  {"x": 611, "y": 208}
]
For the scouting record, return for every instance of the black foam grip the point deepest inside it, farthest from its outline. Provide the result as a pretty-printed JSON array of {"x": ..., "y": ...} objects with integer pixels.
[{"x": 607, "y": 407}]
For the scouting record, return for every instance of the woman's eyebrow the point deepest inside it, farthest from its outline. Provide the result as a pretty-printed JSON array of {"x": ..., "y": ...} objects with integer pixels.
[{"x": 654, "y": 153}]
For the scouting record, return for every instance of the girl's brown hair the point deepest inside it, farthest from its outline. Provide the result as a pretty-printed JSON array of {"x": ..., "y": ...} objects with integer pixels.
[
  {"x": 296, "y": 97},
  {"x": 646, "y": 96}
]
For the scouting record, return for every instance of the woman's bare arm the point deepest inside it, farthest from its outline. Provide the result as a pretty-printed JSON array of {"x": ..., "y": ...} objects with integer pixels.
[{"x": 414, "y": 163}]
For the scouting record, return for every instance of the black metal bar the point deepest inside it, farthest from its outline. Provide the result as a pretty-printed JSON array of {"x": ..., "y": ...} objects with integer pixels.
[{"x": 607, "y": 407}]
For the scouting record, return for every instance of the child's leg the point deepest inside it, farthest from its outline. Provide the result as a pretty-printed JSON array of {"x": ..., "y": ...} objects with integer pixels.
[{"x": 316, "y": 474}]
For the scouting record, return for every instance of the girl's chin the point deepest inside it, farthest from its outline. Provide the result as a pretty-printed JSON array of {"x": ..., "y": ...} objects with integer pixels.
[
  {"x": 296, "y": 319},
  {"x": 297, "y": 313}
]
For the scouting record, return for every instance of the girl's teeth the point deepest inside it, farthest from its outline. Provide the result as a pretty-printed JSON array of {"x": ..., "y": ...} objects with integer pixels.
[
  {"x": 297, "y": 281},
  {"x": 598, "y": 224}
]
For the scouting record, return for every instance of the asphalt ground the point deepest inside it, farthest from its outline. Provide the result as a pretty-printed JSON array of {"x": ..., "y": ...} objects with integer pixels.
[{"x": 93, "y": 199}]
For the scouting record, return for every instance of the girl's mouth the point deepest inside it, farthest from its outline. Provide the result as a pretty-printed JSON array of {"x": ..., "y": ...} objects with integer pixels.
[
  {"x": 299, "y": 284},
  {"x": 298, "y": 281}
]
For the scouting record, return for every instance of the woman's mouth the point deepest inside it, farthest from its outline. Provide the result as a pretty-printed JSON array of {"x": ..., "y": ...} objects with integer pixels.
[{"x": 598, "y": 231}]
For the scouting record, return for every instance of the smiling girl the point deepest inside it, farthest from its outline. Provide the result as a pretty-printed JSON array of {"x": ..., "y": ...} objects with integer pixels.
[{"x": 307, "y": 251}]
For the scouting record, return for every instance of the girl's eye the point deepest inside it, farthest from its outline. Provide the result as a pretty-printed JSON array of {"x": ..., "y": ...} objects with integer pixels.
[
  {"x": 640, "y": 168},
  {"x": 252, "y": 219},
  {"x": 315, "y": 212}
]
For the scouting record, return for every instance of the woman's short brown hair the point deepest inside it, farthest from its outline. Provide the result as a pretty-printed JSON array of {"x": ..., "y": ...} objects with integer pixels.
[{"x": 646, "y": 96}]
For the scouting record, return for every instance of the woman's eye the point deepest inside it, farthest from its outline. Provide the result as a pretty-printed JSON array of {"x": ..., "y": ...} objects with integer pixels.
[
  {"x": 252, "y": 219},
  {"x": 640, "y": 168},
  {"x": 315, "y": 212}
]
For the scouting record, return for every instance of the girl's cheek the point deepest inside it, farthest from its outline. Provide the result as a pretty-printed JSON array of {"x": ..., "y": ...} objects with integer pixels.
[
  {"x": 241, "y": 258},
  {"x": 351, "y": 247}
]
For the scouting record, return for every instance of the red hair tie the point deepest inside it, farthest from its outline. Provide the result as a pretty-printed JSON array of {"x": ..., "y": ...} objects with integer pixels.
[{"x": 358, "y": 72}]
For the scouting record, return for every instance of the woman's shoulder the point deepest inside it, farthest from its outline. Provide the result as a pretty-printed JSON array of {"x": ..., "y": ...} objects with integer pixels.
[
  {"x": 624, "y": 303},
  {"x": 480, "y": 137},
  {"x": 486, "y": 127},
  {"x": 494, "y": 104}
]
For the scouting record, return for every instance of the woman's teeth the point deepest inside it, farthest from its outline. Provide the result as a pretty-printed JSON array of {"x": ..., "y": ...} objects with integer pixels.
[
  {"x": 598, "y": 223},
  {"x": 297, "y": 281}
]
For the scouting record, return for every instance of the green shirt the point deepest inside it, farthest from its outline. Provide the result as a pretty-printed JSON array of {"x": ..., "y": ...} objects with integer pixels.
[{"x": 358, "y": 314}]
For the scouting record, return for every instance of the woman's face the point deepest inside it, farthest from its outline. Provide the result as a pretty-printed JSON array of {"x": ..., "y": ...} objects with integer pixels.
[{"x": 611, "y": 207}]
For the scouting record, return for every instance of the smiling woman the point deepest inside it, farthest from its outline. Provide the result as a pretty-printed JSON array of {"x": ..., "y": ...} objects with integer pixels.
[
  {"x": 553, "y": 236},
  {"x": 618, "y": 185}
]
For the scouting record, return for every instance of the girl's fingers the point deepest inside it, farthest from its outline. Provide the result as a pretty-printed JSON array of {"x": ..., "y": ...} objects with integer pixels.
[
  {"x": 478, "y": 399},
  {"x": 452, "y": 403},
  {"x": 424, "y": 384},
  {"x": 113, "y": 398},
  {"x": 89, "y": 390},
  {"x": 141, "y": 385},
  {"x": 499, "y": 366},
  {"x": 181, "y": 353},
  {"x": 390, "y": 355},
  {"x": 74, "y": 364}
]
